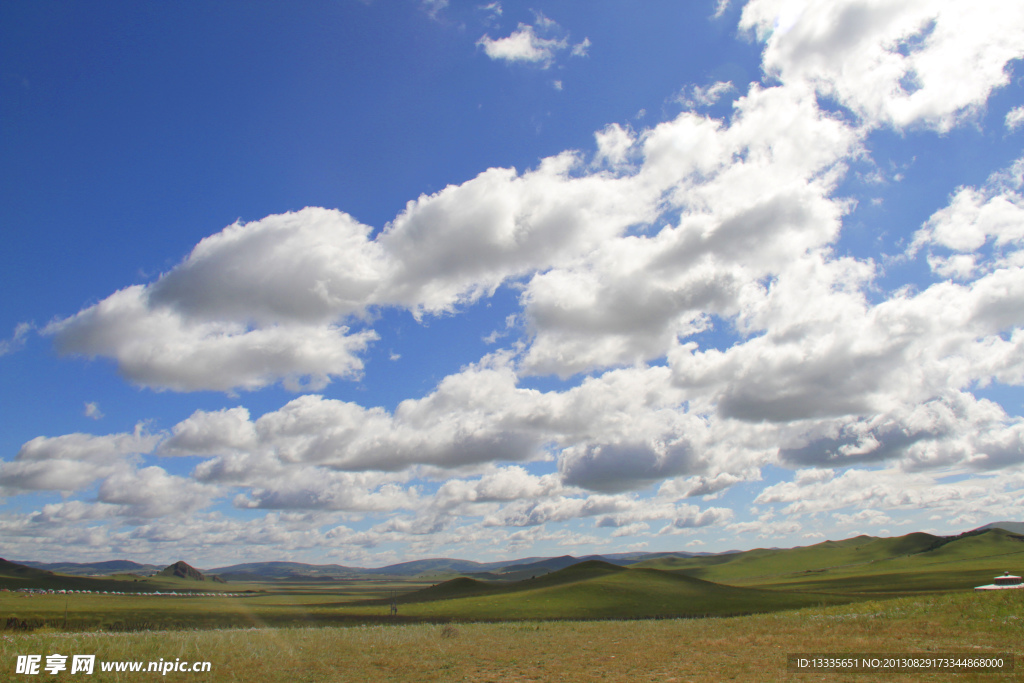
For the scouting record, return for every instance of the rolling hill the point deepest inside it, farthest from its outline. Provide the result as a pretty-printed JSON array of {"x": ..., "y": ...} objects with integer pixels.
[
  {"x": 599, "y": 590},
  {"x": 762, "y": 580},
  {"x": 905, "y": 564}
]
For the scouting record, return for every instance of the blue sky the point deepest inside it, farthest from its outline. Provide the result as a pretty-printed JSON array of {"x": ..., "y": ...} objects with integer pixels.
[{"x": 364, "y": 282}]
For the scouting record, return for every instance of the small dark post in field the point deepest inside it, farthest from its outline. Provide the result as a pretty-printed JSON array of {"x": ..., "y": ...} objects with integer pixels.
[{"x": 394, "y": 603}]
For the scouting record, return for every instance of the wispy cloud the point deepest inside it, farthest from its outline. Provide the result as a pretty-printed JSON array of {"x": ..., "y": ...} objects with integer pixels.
[
  {"x": 92, "y": 410},
  {"x": 17, "y": 340}
]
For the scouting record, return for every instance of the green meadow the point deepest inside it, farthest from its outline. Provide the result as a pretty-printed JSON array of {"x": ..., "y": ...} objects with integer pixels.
[
  {"x": 907, "y": 594},
  {"x": 744, "y": 648}
]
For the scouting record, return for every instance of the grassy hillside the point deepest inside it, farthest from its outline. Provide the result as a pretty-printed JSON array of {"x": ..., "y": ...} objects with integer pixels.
[
  {"x": 961, "y": 564},
  {"x": 765, "y": 563},
  {"x": 596, "y": 589},
  {"x": 913, "y": 563}
]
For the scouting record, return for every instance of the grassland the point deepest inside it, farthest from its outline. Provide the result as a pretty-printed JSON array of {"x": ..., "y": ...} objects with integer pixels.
[
  {"x": 758, "y": 581},
  {"x": 749, "y": 648},
  {"x": 672, "y": 618}
]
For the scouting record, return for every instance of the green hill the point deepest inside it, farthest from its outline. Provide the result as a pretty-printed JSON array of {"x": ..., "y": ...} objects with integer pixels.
[
  {"x": 752, "y": 565},
  {"x": 455, "y": 588},
  {"x": 467, "y": 587},
  {"x": 762, "y": 580},
  {"x": 596, "y": 589},
  {"x": 904, "y": 564}
]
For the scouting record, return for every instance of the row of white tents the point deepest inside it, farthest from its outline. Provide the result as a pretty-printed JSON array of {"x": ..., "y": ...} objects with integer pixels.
[{"x": 52, "y": 591}]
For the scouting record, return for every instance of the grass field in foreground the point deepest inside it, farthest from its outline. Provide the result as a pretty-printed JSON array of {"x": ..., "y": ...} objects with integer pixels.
[{"x": 751, "y": 648}]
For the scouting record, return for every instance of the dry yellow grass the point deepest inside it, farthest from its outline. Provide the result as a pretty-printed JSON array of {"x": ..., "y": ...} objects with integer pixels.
[{"x": 750, "y": 648}]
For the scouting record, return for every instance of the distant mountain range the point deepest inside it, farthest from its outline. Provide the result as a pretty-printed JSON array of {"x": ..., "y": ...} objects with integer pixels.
[
  {"x": 512, "y": 570},
  {"x": 108, "y": 568},
  {"x": 430, "y": 568},
  {"x": 298, "y": 571}
]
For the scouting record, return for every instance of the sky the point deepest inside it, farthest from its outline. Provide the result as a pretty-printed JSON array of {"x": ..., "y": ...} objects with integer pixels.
[{"x": 361, "y": 282}]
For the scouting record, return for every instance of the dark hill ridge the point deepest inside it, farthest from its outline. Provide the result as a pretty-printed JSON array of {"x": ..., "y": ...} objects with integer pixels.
[
  {"x": 21, "y": 571},
  {"x": 183, "y": 570}
]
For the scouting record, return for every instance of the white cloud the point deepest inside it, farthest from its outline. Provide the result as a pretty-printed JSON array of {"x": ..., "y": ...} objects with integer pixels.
[
  {"x": 894, "y": 490},
  {"x": 753, "y": 198},
  {"x": 537, "y": 43},
  {"x": 765, "y": 529},
  {"x": 73, "y": 461},
  {"x": 631, "y": 530},
  {"x": 151, "y": 492},
  {"x": 705, "y": 96},
  {"x": 1015, "y": 118},
  {"x": 523, "y": 45},
  {"x": 926, "y": 62},
  {"x": 461, "y": 243},
  {"x": 304, "y": 267},
  {"x": 505, "y": 484},
  {"x": 974, "y": 216},
  {"x": 688, "y": 487},
  {"x": 211, "y": 433},
  {"x": 692, "y": 517},
  {"x": 92, "y": 410},
  {"x": 159, "y": 347},
  {"x": 315, "y": 489},
  {"x": 869, "y": 517},
  {"x": 580, "y": 49},
  {"x": 197, "y": 328},
  {"x": 614, "y": 143}
]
